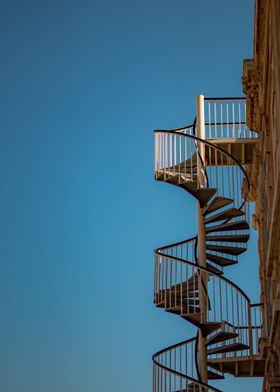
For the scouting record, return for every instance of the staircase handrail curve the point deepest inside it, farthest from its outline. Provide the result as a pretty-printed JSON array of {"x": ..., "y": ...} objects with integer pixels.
[
  {"x": 212, "y": 145},
  {"x": 175, "y": 244},
  {"x": 205, "y": 269},
  {"x": 189, "y": 378},
  {"x": 176, "y": 130}
]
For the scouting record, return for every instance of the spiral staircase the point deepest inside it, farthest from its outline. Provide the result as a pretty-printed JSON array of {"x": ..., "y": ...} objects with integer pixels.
[{"x": 208, "y": 159}]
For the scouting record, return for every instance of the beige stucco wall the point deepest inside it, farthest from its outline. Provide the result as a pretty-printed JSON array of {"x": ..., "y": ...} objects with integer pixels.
[{"x": 261, "y": 83}]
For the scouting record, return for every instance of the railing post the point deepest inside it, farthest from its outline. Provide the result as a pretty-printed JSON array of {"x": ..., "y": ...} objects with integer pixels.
[
  {"x": 250, "y": 329},
  {"x": 201, "y": 240}
]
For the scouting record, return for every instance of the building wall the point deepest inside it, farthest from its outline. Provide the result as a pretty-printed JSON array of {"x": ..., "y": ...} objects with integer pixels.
[{"x": 261, "y": 84}]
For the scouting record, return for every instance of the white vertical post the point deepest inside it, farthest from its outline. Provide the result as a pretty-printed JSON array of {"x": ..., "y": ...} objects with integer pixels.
[
  {"x": 201, "y": 241},
  {"x": 200, "y": 121}
]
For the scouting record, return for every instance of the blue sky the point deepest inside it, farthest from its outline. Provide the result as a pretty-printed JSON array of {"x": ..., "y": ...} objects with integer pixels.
[{"x": 83, "y": 85}]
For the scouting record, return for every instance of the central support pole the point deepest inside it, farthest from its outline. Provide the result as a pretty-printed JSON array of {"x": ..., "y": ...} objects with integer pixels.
[{"x": 201, "y": 240}]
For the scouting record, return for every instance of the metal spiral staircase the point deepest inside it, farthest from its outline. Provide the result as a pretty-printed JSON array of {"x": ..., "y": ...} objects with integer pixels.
[{"x": 208, "y": 160}]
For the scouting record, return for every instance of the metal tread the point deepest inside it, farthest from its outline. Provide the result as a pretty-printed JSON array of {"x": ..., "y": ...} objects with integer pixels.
[
  {"x": 227, "y": 348},
  {"x": 221, "y": 261},
  {"x": 239, "y": 225},
  {"x": 205, "y": 194},
  {"x": 215, "y": 376},
  {"x": 187, "y": 310},
  {"x": 228, "y": 238},
  {"x": 212, "y": 268},
  {"x": 226, "y": 214},
  {"x": 221, "y": 336},
  {"x": 217, "y": 203},
  {"x": 230, "y": 250}
]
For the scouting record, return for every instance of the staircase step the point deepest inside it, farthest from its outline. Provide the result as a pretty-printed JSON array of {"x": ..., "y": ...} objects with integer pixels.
[
  {"x": 227, "y": 348},
  {"x": 192, "y": 318},
  {"x": 178, "y": 179},
  {"x": 230, "y": 250},
  {"x": 215, "y": 376},
  {"x": 181, "y": 179},
  {"x": 185, "y": 309},
  {"x": 192, "y": 388},
  {"x": 239, "y": 225},
  {"x": 221, "y": 337},
  {"x": 247, "y": 367},
  {"x": 186, "y": 287},
  {"x": 209, "y": 327},
  {"x": 205, "y": 194},
  {"x": 227, "y": 214},
  {"x": 221, "y": 261},
  {"x": 211, "y": 268},
  {"x": 228, "y": 238},
  {"x": 217, "y": 203},
  {"x": 170, "y": 302}
]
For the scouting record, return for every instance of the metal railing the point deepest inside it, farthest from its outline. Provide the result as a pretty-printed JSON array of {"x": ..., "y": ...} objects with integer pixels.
[
  {"x": 174, "y": 369},
  {"x": 176, "y": 162},
  {"x": 181, "y": 285},
  {"x": 226, "y": 118},
  {"x": 176, "y": 289}
]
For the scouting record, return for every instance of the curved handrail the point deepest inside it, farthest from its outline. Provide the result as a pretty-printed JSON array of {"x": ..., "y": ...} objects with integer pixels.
[
  {"x": 175, "y": 244},
  {"x": 212, "y": 145},
  {"x": 186, "y": 377},
  {"x": 187, "y": 127},
  {"x": 205, "y": 269}
]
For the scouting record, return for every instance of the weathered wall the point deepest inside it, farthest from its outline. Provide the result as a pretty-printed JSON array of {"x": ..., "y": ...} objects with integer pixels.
[{"x": 261, "y": 83}]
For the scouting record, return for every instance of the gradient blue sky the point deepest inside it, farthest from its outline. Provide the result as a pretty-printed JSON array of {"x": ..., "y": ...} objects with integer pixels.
[{"x": 83, "y": 85}]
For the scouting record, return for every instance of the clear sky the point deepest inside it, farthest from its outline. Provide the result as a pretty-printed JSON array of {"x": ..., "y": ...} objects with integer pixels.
[{"x": 83, "y": 85}]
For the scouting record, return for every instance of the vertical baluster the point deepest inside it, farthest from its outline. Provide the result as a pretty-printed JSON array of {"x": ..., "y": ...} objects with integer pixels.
[
  {"x": 256, "y": 327},
  {"x": 214, "y": 297},
  {"x": 165, "y": 282},
  {"x": 232, "y": 305},
  {"x": 233, "y": 119},
  {"x": 155, "y": 280},
  {"x": 227, "y": 119},
  {"x": 242, "y": 320},
  {"x": 180, "y": 155},
  {"x": 239, "y": 120},
  {"x": 175, "y": 283},
  {"x": 215, "y": 118},
  {"x": 221, "y": 300},
  {"x": 222, "y": 172},
  {"x": 187, "y": 287},
  {"x": 237, "y": 310},
  {"x": 210, "y": 166},
  {"x": 170, "y": 152},
  {"x": 170, "y": 376},
  {"x": 175, "y": 151},
  {"x": 250, "y": 329},
  {"x": 186, "y": 349},
  {"x": 165, "y": 373},
  {"x": 180, "y": 367},
  {"x": 181, "y": 288},
  {"x": 221, "y": 120},
  {"x": 170, "y": 279},
  {"x": 185, "y": 155},
  {"x": 209, "y": 120},
  {"x": 191, "y": 156}
]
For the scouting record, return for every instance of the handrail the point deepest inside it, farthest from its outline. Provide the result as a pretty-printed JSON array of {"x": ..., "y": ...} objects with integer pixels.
[
  {"x": 189, "y": 378},
  {"x": 205, "y": 269},
  {"x": 212, "y": 146},
  {"x": 175, "y": 244},
  {"x": 187, "y": 127},
  {"x": 225, "y": 99}
]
